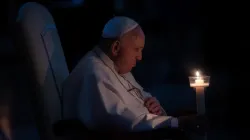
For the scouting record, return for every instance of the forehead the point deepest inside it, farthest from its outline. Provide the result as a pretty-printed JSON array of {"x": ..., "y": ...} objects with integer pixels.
[
  {"x": 135, "y": 36},
  {"x": 139, "y": 40}
]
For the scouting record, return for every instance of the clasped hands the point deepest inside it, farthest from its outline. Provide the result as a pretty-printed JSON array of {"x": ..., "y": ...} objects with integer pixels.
[
  {"x": 153, "y": 106},
  {"x": 191, "y": 123}
]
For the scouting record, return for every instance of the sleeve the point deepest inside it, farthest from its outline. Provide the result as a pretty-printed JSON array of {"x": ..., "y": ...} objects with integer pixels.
[
  {"x": 115, "y": 113},
  {"x": 146, "y": 94}
]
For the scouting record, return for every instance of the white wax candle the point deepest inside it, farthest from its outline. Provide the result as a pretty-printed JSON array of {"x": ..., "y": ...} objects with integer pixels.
[{"x": 200, "y": 83}]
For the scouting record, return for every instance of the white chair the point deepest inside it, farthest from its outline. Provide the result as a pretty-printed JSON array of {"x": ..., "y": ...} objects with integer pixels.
[{"x": 42, "y": 47}]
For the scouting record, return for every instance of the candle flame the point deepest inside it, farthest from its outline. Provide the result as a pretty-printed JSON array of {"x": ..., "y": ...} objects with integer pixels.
[{"x": 197, "y": 73}]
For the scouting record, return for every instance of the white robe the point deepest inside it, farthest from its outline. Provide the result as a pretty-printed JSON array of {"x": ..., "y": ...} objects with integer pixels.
[{"x": 98, "y": 96}]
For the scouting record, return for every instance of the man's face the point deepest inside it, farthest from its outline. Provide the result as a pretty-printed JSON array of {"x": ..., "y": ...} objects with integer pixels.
[{"x": 129, "y": 50}]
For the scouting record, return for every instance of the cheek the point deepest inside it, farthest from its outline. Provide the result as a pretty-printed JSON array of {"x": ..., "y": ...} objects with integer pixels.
[
  {"x": 126, "y": 61},
  {"x": 125, "y": 57},
  {"x": 128, "y": 58},
  {"x": 123, "y": 60}
]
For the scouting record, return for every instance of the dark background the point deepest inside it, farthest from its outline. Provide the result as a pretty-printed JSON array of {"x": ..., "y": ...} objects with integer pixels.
[{"x": 181, "y": 35}]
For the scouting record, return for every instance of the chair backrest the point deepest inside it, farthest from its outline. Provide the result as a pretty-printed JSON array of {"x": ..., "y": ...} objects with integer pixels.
[{"x": 43, "y": 50}]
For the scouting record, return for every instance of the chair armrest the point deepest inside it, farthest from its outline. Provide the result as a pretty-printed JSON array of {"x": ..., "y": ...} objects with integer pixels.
[{"x": 75, "y": 128}]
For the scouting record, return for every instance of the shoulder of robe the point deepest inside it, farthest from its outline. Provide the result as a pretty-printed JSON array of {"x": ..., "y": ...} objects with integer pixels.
[{"x": 101, "y": 72}]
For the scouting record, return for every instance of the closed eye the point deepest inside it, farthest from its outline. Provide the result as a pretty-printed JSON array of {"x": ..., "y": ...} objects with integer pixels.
[{"x": 139, "y": 49}]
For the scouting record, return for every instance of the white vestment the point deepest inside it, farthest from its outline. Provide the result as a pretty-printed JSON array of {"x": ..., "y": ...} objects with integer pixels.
[{"x": 98, "y": 96}]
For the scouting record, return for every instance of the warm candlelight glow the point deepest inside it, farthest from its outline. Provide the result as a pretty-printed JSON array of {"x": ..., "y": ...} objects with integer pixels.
[
  {"x": 197, "y": 73},
  {"x": 199, "y": 80}
]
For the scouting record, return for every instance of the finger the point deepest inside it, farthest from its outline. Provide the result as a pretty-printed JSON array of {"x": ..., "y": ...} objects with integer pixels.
[
  {"x": 153, "y": 105},
  {"x": 149, "y": 101},
  {"x": 155, "y": 108},
  {"x": 159, "y": 112}
]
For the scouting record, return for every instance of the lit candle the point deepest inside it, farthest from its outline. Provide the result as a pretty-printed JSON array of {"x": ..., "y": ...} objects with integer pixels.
[{"x": 199, "y": 81}]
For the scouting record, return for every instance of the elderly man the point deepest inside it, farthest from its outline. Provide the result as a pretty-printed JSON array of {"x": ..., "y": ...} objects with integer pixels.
[{"x": 109, "y": 96}]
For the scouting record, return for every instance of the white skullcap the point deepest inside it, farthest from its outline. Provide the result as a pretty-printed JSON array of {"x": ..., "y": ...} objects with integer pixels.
[{"x": 118, "y": 26}]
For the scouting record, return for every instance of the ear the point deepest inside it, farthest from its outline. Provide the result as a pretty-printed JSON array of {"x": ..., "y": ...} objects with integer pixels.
[{"x": 115, "y": 47}]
